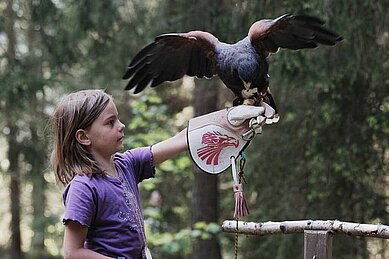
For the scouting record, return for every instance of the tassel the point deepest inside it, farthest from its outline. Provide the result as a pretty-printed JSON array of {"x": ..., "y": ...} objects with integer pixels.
[{"x": 241, "y": 208}]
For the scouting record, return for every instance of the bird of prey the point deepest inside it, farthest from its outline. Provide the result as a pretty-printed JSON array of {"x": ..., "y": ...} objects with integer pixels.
[{"x": 242, "y": 66}]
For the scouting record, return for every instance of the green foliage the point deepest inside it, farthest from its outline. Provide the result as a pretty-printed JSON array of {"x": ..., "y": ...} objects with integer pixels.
[{"x": 169, "y": 244}]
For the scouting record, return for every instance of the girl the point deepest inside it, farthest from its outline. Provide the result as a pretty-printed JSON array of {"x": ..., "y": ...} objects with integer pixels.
[{"x": 103, "y": 216}]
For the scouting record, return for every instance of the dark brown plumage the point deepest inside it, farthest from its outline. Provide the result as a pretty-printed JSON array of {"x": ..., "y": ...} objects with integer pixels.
[{"x": 241, "y": 66}]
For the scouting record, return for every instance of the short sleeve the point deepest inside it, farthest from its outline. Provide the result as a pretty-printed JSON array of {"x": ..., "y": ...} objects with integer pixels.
[
  {"x": 80, "y": 203},
  {"x": 139, "y": 161}
]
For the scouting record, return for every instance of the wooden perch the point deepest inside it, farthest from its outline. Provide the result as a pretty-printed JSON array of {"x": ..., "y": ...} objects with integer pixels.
[{"x": 289, "y": 227}]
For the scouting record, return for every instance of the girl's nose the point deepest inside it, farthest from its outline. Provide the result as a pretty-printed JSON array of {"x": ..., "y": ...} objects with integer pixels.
[{"x": 121, "y": 126}]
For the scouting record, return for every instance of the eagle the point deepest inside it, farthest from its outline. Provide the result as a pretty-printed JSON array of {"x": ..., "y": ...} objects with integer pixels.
[{"x": 243, "y": 66}]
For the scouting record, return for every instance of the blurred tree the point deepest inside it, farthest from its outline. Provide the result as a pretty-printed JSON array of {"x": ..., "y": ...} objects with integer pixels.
[
  {"x": 205, "y": 195},
  {"x": 9, "y": 106}
]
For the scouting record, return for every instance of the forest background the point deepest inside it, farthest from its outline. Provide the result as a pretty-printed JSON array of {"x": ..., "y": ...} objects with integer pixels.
[{"x": 327, "y": 158}]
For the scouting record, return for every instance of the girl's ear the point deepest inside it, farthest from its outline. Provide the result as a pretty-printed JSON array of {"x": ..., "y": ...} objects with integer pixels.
[{"x": 82, "y": 137}]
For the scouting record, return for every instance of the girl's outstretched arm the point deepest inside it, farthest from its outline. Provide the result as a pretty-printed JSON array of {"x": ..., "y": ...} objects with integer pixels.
[{"x": 169, "y": 148}]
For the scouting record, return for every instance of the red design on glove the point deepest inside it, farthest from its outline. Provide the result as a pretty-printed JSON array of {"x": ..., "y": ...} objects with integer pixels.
[{"x": 215, "y": 142}]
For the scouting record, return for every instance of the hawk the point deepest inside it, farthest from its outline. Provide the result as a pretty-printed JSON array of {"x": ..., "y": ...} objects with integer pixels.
[{"x": 242, "y": 66}]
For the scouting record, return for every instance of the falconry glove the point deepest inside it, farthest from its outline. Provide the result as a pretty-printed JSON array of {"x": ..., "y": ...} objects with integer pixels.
[{"x": 216, "y": 137}]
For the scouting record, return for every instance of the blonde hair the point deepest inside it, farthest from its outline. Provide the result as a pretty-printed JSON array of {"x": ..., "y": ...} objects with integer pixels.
[{"x": 76, "y": 111}]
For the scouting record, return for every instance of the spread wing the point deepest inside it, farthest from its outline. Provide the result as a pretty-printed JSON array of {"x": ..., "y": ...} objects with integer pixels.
[
  {"x": 170, "y": 57},
  {"x": 291, "y": 32}
]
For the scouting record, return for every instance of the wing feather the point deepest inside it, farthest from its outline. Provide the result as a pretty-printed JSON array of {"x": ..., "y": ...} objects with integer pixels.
[
  {"x": 291, "y": 32},
  {"x": 143, "y": 83},
  {"x": 170, "y": 57}
]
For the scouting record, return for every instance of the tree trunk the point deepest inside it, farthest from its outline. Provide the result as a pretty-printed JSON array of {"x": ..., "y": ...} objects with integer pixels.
[
  {"x": 13, "y": 147},
  {"x": 205, "y": 186},
  {"x": 36, "y": 150},
  {"x": 13, "y": 157},
  {"x": 38, "y": 200}
]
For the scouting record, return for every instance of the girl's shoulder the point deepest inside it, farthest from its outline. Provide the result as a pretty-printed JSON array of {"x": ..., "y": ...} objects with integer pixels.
[
  {"x": 94, "y": 186},
  {"x": 94, "y": 178}
]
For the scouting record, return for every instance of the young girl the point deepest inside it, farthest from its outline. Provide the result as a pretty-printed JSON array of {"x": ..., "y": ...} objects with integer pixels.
[{"x": 103, "y": 216}]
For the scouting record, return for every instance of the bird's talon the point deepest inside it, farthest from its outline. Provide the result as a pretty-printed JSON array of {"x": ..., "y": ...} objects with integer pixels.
[{"x": 248, "y": 102}]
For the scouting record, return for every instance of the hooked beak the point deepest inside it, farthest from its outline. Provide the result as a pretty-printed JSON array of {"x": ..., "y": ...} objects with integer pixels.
[{"x": 247, "y": 85}]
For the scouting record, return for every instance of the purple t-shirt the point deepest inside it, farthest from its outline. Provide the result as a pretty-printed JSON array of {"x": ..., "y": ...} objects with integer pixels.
[{"x": 110, "y": 207}]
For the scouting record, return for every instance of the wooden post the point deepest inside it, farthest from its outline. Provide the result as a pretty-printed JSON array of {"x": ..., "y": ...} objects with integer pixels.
[{"x": 317, "y": 244}]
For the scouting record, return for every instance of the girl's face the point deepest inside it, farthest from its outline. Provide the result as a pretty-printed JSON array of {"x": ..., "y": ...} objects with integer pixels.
[{"x": 106, "y": 133}]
